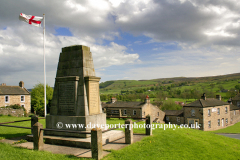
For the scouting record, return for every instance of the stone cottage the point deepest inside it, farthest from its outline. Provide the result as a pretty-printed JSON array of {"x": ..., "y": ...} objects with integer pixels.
[
  {"x": 10, "y": 95},
  {"x": 210, "y": 113},
  {"x": 133, "y": 109},
  {"x": 236, "y": 100}
]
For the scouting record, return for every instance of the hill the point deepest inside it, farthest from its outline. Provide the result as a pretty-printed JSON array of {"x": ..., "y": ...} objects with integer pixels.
[{"x": 179, "y": 87}]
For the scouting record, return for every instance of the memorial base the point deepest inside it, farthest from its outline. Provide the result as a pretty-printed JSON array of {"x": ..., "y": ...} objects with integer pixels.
[{"x": 74, "y": 123}]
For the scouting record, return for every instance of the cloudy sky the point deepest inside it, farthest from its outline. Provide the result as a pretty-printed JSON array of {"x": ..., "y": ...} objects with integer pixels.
[{"x": 129, "y": 39}]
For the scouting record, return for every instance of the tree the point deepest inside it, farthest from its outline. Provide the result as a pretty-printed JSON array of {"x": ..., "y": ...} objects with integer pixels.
[
  {"x": 37, "y": 98},
  {"x": 237, "y": 87}
]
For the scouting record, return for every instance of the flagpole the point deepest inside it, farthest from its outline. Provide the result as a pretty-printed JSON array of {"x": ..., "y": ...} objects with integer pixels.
[{"x": 45, "y": 106}]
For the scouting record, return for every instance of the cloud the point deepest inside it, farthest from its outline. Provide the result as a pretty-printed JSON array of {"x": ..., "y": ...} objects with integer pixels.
[
  {"x": 22, "y": 54},
  {"x": 185, "y": 37}
]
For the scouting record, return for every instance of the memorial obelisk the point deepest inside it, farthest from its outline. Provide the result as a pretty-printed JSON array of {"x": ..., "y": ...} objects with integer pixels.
[{"x": 76, "y": 97}]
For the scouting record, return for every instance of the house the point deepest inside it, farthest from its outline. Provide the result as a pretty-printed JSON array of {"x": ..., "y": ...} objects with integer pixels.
[
  {"x": 133, "y": 109},
  {"x": 236, "y": 100},
  {"x": 174, "y": 116},
  {"x": 210, "y": 113},
  {"x": 10, "y": 95}
]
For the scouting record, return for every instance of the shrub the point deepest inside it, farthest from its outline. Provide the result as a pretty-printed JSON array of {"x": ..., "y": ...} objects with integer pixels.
[{"x": 15, "y": 106}]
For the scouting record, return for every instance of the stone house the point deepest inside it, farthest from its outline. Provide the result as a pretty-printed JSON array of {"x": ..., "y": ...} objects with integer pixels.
[
  {"x": 174, "y": 116},
  {"x": 10, "y": 95},
  {"x": 234, "y": 114},
  {"x": 133, "y": 109},
  {"x": 236, "y": 100},
  {"x": 210, "y": 113}
]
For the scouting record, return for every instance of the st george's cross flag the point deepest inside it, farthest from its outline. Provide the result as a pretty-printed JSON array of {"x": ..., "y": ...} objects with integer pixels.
[{"x": 33, "y": 20}]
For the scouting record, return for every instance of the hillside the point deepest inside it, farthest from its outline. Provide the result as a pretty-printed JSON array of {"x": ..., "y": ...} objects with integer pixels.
[{"x": 179, "y": 87}]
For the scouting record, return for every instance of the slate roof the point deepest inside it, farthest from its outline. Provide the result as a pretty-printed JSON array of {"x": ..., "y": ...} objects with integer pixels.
[
  {"x": 174, "y": 112},
  {"x": 209, "y": 102},
  {"x": 233, "y": 107},
  {"x": 237, "y": 97},
  {"x": 119, "y": 104},
  {"x": 13, "y": 90}
]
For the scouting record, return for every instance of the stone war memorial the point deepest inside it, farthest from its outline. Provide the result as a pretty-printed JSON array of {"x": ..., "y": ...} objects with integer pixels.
[{"x": 76, "y": 97}]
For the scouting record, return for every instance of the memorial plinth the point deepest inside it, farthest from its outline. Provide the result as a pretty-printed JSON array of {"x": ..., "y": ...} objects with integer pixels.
[{"x": 76, "y": 97}]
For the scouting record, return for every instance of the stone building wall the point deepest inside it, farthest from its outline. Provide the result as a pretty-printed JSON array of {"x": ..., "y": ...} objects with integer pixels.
[
  {"x": 16, "y": 99},
  {"x": 213, "y": 118},
  {"x": 119, "y": 112},
  {"x": 173, "y": 119},
  {"x": 12, "y": 112},
  {"x": 235, "y": 116},
  {"x": 198, "y": 116}
]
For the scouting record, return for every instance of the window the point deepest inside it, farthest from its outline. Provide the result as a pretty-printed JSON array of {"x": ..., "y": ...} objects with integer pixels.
[
  {"x": 193, "y": 112},
  {"x": 144, "y": 113},
  {"x": 209, "y": 112},
  {"x": 167, "y": 118},
  {"x": 6, "y": 99},
  {"x": 209, "y": 124},
  {"x": 226, "y": 110},
  {"x": 226, "y": 121},
  {"x": 22, "y": 105},
  {"x": 125, "y": 111},
  {"x": 178, "y": 119},
  {"x": 218, "y": 122},
  {"x": 234, "y": 112},
  {"x": 158, "y": 114},
  {"x": 218, "y": 111},
  {"x": 22, "y": 98},
  {"x": 134, "y": 112}
]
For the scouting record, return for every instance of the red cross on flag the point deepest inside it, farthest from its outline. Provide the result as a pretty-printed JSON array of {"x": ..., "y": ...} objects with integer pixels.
[{"x": 33, "y": 20}]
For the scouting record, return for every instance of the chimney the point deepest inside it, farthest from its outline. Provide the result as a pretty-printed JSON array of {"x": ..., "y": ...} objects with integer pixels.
[
  {"x": 147, "y": 100},
  {"x": 113, "y": 99},
  {"x": 204, "y": 96},
  {"x": 3, "y": 84},
  {"x": 21, "y": 84},
  {"x": 218, "y": 97},
  {"x": 230, "y": 101}
]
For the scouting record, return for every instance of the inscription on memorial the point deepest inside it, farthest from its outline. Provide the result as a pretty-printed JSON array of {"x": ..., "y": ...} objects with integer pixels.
[
  {"x": 93, "y": 98},
  {"x": 66, "y": 98}
]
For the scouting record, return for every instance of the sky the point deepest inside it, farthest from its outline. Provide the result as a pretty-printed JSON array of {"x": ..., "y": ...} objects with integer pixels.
[{"x": 129, "y": 39}]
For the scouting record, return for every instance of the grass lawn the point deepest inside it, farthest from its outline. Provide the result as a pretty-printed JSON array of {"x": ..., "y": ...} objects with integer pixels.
[
  {"x": 231, "y": 129},
  {"x": 10, "y": 132},
  {"x": 180, "y": 144},
  {"x": 164, "y": 144},
  {"x": 8, "y": 152}
]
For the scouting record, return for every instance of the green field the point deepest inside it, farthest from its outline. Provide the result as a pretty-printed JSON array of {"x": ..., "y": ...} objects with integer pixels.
[
  {"x": 231, "y": 129},
  {"x": 164, "y": 144},
  {"x": 201, "y": 85}
]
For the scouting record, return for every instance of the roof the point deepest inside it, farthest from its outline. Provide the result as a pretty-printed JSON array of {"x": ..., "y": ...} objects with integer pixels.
[
  {"x": 174, "y": 112},
  {"x": 13, "y": 90},
  {"x": 233, "y": 107},
  {"x": 119, "y": 104},
  {"x": 237, "y": 97},
  {"x": 209, "y": 102}
]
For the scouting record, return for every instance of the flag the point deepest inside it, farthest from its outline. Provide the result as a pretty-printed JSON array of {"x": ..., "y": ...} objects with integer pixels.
[{"x": 33, "y": 20}]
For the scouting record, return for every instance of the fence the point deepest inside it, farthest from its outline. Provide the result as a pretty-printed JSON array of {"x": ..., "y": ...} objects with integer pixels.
[{"x": 96, "y": 133}]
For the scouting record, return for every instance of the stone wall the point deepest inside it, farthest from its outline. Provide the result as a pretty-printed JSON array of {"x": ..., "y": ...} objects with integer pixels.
[
  {"x": 12, "y": 112},
  {"x": 235, "y": 116},
  {"x": 215, "y": 116},
  {"x": 16, "y": 99},
  {"x": 119, "y": 112},
  {"x": 174, "y": 119},
  {"x": 198, "y": 116}
]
